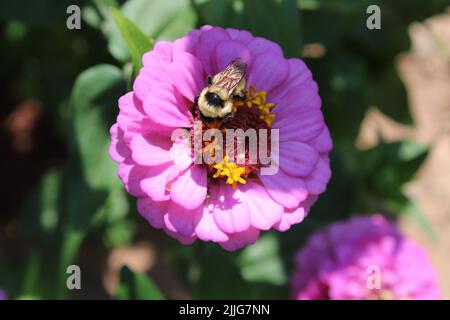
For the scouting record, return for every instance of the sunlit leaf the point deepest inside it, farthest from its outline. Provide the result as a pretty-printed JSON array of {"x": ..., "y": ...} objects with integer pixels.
[
  {"x": 137, "y": 42},
  {"x": 261, "y": 262},
  {"x": 136, "y": 286},
  {"x": 157, "y": 19}
]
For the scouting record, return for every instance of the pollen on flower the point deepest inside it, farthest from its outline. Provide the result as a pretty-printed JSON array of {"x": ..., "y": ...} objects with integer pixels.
[
  {"x": 253, "y": 112},
  {"x": 230, "y": 170},
  {"x": 258, "y": 99}
]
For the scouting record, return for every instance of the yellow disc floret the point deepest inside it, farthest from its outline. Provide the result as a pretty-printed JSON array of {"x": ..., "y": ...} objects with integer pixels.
[
  {"x": 258, "y": 99},
  {"x": 230, "y": 170}
]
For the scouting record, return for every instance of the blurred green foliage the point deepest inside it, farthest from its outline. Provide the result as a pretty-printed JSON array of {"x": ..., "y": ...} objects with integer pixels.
[
  {"x": 79, "y": 75},
  {"x": 135, "y": 286}
]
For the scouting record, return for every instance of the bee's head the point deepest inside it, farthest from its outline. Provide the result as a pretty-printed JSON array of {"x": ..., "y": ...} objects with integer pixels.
[{"x": 214, "y": 99}]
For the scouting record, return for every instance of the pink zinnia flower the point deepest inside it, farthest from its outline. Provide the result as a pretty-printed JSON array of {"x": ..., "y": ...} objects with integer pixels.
[
  {"x": 363, "y": 258},
  {"x": 224, "y": 202}
]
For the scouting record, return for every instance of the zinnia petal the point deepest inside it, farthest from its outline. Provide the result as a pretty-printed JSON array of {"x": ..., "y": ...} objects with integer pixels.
[
  {"x": 150, "y": 151},
  {"x": 287, "y": 190},
  {"x": 268, "y": 71},
  {"x": 189, "y": 189},
  {"x": 187, "y": 73},
  {"x": 231, "y": 213},
  {"x": 165, "y": 106},
  {"x": 263, "y": 215}
]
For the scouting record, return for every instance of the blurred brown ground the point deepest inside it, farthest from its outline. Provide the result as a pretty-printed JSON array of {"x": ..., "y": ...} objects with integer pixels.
[{"x": 425, "y": 71}]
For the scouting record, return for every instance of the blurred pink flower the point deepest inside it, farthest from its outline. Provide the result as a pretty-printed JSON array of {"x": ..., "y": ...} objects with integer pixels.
[
  {"x": 3, "y": 295},
  {"x": 189, "y": 200},
  {"x": 363, "y": 258}
]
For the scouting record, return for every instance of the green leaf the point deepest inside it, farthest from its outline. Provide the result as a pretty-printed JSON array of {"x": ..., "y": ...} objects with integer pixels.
[
  {"x": 261, "y": 262},
  {"x": 136, "y": 286},
  {"x": 386, "y": 169},
  {"x": 157, "y": 19},
  {"x": 94, "y": 107},
  {"x": 387, "y": 92},
  {"x": 161, "y": 19},
  {"x": 406, "y": 206},
  {"x": 137, "y": 42}
]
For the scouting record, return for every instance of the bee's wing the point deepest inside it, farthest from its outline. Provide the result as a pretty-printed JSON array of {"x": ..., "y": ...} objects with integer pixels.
[{"x": 231, "y": 75}]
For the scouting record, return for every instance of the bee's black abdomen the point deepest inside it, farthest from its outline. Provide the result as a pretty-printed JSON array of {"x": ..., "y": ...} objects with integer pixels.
[{"x": 213, "y": 99}]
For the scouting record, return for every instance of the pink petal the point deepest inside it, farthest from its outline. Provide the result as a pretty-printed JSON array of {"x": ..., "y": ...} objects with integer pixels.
[
  {"x": 186, "y": 44},
  {"x": 189, "y": 189},
  {"x": 131, "y": 175},
  {"x": 180, "y": 220},
  {"x": 118, "y": 150},
  {"x": 322, "y": 143},
  {"x": 130, "y": 115},
  {"x": 148, "y": 76},
  {"x": 181, "y": 154},
  {"x": 181, "y": 238},
  {"x": 268, "y": 71},
  {"x": 318, "y": 180},
  {"x": 241, "y": 239},
  {"x": 303, "y": 126},
  {"x": 206, "y": 46},
  {"x": 165, "y": 106},
  {"x": 162, "y": 50},
  {"x": 229, "y": 50},
  {"x": 206, "y": 27},
  {"x": 154, "y": 183},
  {"x": 299, "y": 74},
  {"x": 297, "y": 158},
  {"x": 289, "y": 218},
  {"x": 231, "y": 213},
  {"x": 264, "y": 212},
  {"x": 207, "y": 229},
  {"x": 187, "y": 75},
  {"x": 285, "y": 189},
  {"x": 153, "y": 211},
  {"x": 148, "y": 127},
  {"x": 296, "y": 101},
  {"x": 259, "y": 46},
  {"x": 151, "y": 150},
  {"x": 242, "y": 36},
  {"x": 128, "y": 104}
]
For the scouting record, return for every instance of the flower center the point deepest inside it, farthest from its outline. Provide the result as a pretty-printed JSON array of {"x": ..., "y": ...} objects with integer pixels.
[{"x": 250, "y": 116}]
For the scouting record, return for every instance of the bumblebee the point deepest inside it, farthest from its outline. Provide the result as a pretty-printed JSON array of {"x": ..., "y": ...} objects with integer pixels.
[{"x": 215, "y": 101}]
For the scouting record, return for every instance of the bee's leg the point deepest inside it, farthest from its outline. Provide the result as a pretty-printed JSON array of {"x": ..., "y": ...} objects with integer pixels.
[
  {"x": 228, "y": 117},
  {"x": 240, "y": 97},
  {"x": 205, "y": 119}
]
